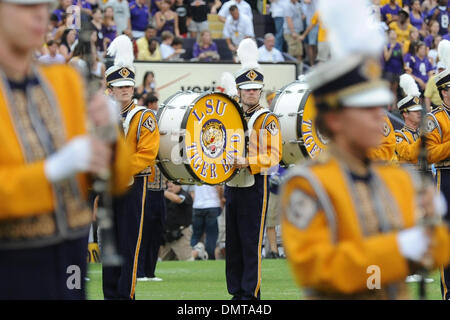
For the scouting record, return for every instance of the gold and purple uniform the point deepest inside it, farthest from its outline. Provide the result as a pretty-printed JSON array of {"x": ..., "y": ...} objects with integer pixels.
[
  {"x": 246, "y": 207},
  {"x": 386, "y": 150},
  {"x": 438, "y": 153},
  {"x": 44, "y": 225},
  {"x": 333, "y": 236},
  {"x": 142, "y": 136},
  {"x": 408, "y": 145}
]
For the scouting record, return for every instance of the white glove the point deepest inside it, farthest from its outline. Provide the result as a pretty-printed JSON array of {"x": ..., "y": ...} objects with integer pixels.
[
  {"x": 413, "y": 243},
  {"x": 74, "y": 157}
]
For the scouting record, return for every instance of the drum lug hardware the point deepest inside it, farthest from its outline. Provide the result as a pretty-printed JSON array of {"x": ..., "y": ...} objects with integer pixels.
[
  {"x": 279, "y": 115},
  {"x": 164, "y": 160},
  {"x": 296, "y": 141},
  {"x": 293, "y": 114},
  {"x": 162, "y": 132},
  {"x": 171, "y": 107}
]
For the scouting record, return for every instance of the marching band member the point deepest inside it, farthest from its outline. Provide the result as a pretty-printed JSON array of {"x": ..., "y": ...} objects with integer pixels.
[
  {"x": 349, "y": 224},
  {"x": 438, "y": 142},
  {"x": 408, "y": 138},
  {"x": 386, "y": 149},
  {"x": 142, "y": 136},
  {"x": 247, "y": 194},
  {"x": 47, "y": 156}
]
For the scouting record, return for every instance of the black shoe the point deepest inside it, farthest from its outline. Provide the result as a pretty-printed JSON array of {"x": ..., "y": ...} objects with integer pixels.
[{"x": 272, "y": 255}]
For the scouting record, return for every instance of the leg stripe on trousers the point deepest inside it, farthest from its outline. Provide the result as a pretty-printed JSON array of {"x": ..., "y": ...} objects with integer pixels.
[
  {"x": 261, "y": 233},
  {"x": 444, "y": 294},
  {"x": 138, "y": 244}
]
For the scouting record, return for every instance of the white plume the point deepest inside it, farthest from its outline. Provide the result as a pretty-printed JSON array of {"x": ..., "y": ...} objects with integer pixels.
[
  {"x": 444, "y": 52},
  {"x": 351, "y": 27},
  {"x": 228, "y": 83},
  {"x": 409, "y": 85},
  {"x": 248, "y": 54},
  {"x": 121, "y": 48}
]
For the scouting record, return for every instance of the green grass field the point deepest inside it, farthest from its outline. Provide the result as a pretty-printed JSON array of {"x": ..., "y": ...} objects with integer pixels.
[{"x": 205, "y": 280}]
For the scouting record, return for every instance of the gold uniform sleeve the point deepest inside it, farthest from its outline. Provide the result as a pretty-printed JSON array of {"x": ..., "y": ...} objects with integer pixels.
[
  {"x": 319, "y": 263},
  {"x": 148, "y": 146},
  {"x": 265, "y": 146},
  {"x": 437, "y": 149}
]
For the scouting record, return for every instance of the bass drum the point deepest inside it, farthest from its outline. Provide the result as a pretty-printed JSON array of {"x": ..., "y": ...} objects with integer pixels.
[
  {"x": 200, "y": 135},
  {"x": 295, "y": 109}
]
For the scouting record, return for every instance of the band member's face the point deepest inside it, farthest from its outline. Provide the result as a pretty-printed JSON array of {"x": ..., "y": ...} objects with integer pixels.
[
  {"x": 123, "y": 94},
  {"x": 359, "y": 128},
  {"x": 250, "y": 97},
  {"x": 23, "y": 27},
  {"x": 413, "y": 118}
]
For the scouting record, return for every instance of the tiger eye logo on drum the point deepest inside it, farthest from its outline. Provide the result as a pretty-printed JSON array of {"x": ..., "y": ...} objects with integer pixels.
[{"x": 214, "y": 138}]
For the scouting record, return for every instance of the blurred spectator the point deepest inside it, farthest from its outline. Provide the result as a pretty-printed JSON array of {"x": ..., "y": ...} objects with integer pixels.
[
  {"x": 416, "y": 17},
  {"x": 414, "y": 36},
  {"x": 390, "y": 11},
  {"x": 121, "y": 12},
  {"x": 62, "y": 9},
  {"x": 208, "y": 204},
  {"x": 433, "y": 52},
  {"x": 177, "y": 46},
  {"x": 53, "y": 24},
  {"x": 148, "y": 85},
  {"x": 431, "y": 94},
  {"x": 198, "y": 11},
  {"x": 273, "y": 214},
  {"x": 277, "y": 8},
  {"x": 243, "y": 6},
  {"x": 434, "y": 31},
  {"x": 181, "y": 9},
  {"x": 309, "y": 8},
  {"x": 205, "y": 49},
  {"x": 97, "y": 23},
  {"x": 421, "y": 66},
  {"x": 408, "y": 56},
  {"x": 219, "y": 253},
  {"x": 155, "y": 6},
  {"x": 178, "y": 231},
  {"x": 268, "y": 52},
  {"x": 167, "y": 46},
  {"x": 441, "y": 14},
  {"x": 236, "y": 28},
  {"x": 109, "y": 28},
  {"x": 53, "y": 56},
  {"x": 166, "y": 19},
  {"x": 146, "y": 51},
  {"x": 68, "y": 43},
  {"x": 151, "y": 102},
  {"x": 293, "y": 26},
  {"x": 323, "y": 47},
  {"x": 84, "y": 6},
  {"x": 393, "y": 62},
  {"x": 139, "y": 17},
  {"x": 402, "y": 26}
]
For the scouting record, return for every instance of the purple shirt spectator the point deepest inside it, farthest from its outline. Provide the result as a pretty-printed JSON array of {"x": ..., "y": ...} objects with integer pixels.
[
  {"x": 446, "y": 37},
  {"x": 416, "y": 22},
  {"x": 139, "y": 16},
  {"x": 443, "y": 18},
  {"x": 154, "y": 6},
  {"x": 84, "y": 4},
  {"x": 109, "y": 32},
  {"x": 387, "y": 12},
  {"x": 429, "y": 40},
  {"x": 197, "y": 50},
  {"x": 421, "y": 67},
  {"x": 395, "y": 63}
]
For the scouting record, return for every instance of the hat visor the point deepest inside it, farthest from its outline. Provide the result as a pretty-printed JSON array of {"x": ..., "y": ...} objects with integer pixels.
[
  {"x": 415, "y": 108},
  {"x": 248, "y": 86},
  {"x": 122, "y": 83},
  {"x": 373, "y": 97}
]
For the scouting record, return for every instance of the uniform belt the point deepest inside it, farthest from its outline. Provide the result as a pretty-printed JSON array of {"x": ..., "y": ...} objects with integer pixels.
[{"x": 442, "y": 165}]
